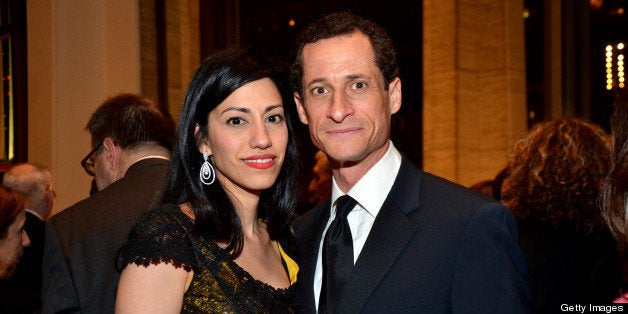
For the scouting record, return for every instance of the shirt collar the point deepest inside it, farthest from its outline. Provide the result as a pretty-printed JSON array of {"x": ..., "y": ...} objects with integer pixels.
[
  {"x": 34, "y": 213},
  {"x": 152, "y": 156},
  {"x": 372, "y": 189}
]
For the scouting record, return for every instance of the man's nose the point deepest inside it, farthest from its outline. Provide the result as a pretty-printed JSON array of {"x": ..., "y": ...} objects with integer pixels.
[{"x": 340, "y": 107}]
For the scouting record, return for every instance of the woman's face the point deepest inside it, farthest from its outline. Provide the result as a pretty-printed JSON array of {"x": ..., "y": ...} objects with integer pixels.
[
  {"x": 247, "y": 137},
  {"x": 11, "y": 246}
]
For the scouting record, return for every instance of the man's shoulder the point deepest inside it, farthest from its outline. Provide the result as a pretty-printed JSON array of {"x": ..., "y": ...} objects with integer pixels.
[
  {"x": 135, "y": 187},
  {"x": 63, "y": 216},
  {"x": 432, "y": 183},
  {"x": 411, "y": 180},
  {"x": 435, "y": 196},
  {"x": 449, "y": 203},
  {"x": 432, "y": 186}
]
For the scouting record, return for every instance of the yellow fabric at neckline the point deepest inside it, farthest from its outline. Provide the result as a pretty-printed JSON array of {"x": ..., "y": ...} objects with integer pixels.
[{"x": 293, "y": 268}]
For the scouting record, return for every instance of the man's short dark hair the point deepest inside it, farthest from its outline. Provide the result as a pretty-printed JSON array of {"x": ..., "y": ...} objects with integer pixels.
[
  {"x": 344, "y": 23},
  {"x": 131, "y": 121}
]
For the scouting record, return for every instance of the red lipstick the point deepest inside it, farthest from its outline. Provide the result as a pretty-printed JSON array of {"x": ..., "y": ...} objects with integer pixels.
[{"x": 260, "y": 161}]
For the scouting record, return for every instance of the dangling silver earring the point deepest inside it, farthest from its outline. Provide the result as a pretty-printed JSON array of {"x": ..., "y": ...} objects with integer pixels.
[{"x": 207, "y": 173}]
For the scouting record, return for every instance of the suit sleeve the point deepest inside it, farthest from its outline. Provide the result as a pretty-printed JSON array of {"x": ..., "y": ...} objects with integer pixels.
[
  {"x": 58, "y": 293},
  {"x": 490, "y": 273}
]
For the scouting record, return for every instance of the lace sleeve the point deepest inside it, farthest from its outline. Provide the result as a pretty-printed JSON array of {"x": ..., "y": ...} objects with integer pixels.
[{"x": 160, "y": 236}]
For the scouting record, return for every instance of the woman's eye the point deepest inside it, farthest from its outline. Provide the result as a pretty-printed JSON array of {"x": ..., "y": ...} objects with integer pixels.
[
  {"x": 319, "y": 90},
  {"x": 276, "y": 118},
  {"x": 235, "y": 121}
]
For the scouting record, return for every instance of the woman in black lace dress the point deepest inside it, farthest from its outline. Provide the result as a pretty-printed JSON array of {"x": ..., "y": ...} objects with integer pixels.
[{"x": 221, "y": 240}]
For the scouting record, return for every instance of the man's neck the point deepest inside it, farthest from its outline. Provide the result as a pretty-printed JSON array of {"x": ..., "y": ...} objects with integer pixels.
[
  {"x": 347, "y": 174},
  {"x": 128, "y": 159}
]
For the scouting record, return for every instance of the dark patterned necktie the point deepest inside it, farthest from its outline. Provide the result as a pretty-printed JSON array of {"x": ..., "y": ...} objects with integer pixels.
[{"x": 337, "y": 256}]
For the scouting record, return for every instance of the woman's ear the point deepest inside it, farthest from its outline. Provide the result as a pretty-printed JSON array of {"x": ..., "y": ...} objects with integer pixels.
[{"x": 201, "y": 141}]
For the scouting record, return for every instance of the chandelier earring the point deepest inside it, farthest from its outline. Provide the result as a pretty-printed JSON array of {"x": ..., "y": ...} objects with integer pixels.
[{"x": 207, "y": 173}]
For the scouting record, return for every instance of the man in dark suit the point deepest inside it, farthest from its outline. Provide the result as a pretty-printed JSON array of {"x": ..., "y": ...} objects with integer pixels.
[
  {"x": 131, "y": 139},
  {"x": 22, "y": 292},
  {"x": 414, "y": 243}
]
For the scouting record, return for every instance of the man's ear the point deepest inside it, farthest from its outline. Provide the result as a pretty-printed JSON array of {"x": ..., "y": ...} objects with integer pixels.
[
  {"x": 300, "y": 109},
  {"x": 201, "y": 142},
  {"x": 111, "y": 153},
  {"x": 49, "y": 193},
  {"x": 394, "y": 95}
]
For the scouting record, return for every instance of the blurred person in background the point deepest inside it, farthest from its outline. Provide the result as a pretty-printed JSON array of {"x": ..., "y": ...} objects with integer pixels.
[
  {"x": 320, "y": 186},
  {"x": 131, "y": 140},
  {"x": 555, "y": 175},
  {"x": 13, "y": 238},
  {"x": 22, "y": 292}
]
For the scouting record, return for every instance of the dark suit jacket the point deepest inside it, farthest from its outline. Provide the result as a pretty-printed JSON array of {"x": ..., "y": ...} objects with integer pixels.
[
  {"x": 21, "y": 292},
  {"x": 435, "y": 247},
  {"x": 82, "y": 242}
]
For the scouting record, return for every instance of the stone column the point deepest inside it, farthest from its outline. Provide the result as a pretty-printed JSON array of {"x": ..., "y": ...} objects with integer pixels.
[
  {"x": 79, "y": 54},
  {"x": 182, "y": 50},
  {"x": 474, "y": 102}
]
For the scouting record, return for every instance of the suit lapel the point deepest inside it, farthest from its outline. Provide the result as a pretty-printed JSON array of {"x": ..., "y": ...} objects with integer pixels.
[
  {"x": 388, "y": 237},
  {"x": 309, "y": 234}
]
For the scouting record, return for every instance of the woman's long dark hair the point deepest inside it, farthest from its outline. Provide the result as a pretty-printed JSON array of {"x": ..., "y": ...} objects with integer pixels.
[
  {"x": 217, "y": 77},
  {"x": 614, "y": 194}
]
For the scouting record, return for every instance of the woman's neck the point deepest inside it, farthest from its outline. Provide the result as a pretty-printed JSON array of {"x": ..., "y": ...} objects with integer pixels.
[{"x": 245, "y": 204}]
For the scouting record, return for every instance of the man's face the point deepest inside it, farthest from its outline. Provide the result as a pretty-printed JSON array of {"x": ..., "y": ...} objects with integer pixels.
[{"x": 345, "y": 101}]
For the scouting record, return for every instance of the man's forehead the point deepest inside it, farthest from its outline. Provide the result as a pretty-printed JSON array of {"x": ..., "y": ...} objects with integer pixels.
[
  {"x": 353, "y": 39},
  {"x": 345, "y": 57},
  {"x": 339, "y": 37}
]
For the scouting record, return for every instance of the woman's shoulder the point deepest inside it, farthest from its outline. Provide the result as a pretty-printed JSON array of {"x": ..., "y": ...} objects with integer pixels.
[
  {"x": 160, "y": 235},
  {"x": 166, "y": 215}
]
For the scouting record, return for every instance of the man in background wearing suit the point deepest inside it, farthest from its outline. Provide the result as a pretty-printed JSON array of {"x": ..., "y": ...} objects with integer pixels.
[
  {"x": 416, "y": 242},
  {"x": 131, "y": 140},
  {"x": 22, "y": 292}
]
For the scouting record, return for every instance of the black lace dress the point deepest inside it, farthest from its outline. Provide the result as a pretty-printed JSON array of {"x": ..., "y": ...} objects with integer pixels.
[{"x": 219, "y": 285}]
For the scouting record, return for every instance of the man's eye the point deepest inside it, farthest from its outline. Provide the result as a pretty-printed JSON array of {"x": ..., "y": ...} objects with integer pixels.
[
  {"x": 235, "y": 121},
  {"x": 359, "y": 85},
  {"x": 319, "y": 90}
]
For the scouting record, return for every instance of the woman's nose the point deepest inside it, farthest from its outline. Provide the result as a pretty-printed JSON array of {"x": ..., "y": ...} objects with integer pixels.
[{"x": 260, "y": 137}]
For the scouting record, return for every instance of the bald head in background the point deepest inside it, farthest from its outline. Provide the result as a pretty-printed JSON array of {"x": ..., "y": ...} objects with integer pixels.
[{"x": 35, "y": 182}]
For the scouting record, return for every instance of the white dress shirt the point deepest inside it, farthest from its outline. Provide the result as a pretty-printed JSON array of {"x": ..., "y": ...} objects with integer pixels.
[{"x": 370, "y": 192}]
